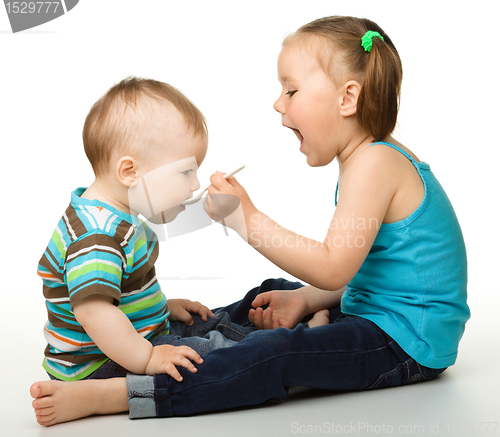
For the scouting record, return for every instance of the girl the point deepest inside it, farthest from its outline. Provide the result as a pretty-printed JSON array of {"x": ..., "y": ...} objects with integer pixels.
[{"x": 393, "y": 254}]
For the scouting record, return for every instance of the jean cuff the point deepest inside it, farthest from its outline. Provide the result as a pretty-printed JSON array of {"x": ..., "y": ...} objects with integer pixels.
[{"x": 141, "y": 392}]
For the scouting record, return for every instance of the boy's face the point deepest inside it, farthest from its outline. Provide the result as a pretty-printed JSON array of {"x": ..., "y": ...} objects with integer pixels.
[{"x": 169, "y": 177}]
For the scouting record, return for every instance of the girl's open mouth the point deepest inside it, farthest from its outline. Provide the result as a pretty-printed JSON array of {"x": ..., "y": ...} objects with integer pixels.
[{"x": 298, "y": 134}]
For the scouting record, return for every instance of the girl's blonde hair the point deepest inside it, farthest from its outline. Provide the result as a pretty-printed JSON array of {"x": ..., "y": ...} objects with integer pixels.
[{"x": 379, "y": 70}]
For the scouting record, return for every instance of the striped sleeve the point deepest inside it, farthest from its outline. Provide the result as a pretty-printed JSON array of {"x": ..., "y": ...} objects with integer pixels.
[{"x": 94, "y": 266}]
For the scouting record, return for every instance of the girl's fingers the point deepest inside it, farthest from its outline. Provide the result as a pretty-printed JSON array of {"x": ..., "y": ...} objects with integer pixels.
[
  {"x": 212, "y": 190},
  {"x": 257, "y": 318},
  {"x": 209, "y": 200},
  {"x": 218, "y": 181},
  {"x": 233, "y": 182},
  {"x": 262, "y": 299},
  {"x": 251, "y": 316},
  {"x": 268, "y": 318}
]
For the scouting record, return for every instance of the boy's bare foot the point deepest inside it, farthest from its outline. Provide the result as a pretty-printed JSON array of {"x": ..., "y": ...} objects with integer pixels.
[
  {"x": 320, "y": 318},
  {"x": 60, "y": 401}
]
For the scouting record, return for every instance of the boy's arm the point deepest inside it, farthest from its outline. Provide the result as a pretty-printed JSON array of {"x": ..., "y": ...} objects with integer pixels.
[
  {"x": 94, "y": 267},
  {"x": 113, "y": 333}
]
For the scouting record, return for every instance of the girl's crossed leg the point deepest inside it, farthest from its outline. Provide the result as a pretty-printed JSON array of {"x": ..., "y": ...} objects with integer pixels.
[{"x": 350, "y": 354}]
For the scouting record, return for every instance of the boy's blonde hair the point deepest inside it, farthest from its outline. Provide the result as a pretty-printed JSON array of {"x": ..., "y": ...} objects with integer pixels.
[
  {"x": 379, "y": 70},
  {"x": 126, "y": 117}
]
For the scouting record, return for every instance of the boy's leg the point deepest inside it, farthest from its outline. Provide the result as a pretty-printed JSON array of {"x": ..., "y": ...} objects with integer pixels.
[
  {"x": 202, "y": 345},
  {"x": 60, "y": 401},
  {"x": 220, "y": 323},
  {"x": 350, "y": 354}
]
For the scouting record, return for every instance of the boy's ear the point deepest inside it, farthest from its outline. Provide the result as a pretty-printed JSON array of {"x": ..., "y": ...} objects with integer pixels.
[
  {"x": 352, "y": 89},
  {"x": 126, "y": 170}
]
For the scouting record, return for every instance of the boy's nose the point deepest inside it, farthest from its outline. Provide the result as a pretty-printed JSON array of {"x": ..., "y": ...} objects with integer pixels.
[{"x": 195, "y": 184}]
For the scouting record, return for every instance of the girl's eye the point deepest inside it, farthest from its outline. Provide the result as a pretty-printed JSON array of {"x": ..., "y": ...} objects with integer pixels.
[
  {"x": 186, "y": 173},
  {"x": 291, "y": 93}
]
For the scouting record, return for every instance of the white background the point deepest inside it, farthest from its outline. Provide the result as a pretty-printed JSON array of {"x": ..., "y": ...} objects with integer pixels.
[{"x": 222, "y": 55}]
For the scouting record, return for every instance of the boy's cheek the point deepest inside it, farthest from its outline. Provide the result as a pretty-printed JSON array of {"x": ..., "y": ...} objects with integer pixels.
[
  {"x": 151, "y": 195},
  {"x": 166, "y": 216}
]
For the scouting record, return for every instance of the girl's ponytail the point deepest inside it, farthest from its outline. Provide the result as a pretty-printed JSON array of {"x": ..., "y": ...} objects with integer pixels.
[
  {"x": 379, "y": 70},
  {"x": 378, "y": 102}
]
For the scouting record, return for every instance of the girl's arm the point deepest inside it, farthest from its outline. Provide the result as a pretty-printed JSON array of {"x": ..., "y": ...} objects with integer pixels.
[
  {"x": 367, "y": 190},
  {"x": 289, "y": 307}
]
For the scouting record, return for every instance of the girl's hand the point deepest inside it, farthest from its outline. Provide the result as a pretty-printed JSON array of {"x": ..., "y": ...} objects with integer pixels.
[
  {"x": 165, "y": 357},
  {"x": 180, "y": 310},
  {"x": 223, "y": 201},
  {"x": 286, "y": 309}
]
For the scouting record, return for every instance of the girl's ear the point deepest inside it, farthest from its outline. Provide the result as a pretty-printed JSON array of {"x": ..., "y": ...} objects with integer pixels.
[{"x": 352, "y": 89}]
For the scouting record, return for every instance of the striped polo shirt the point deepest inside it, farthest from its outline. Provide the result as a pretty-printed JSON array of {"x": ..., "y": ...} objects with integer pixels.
[{"x": 97, "y": 250}]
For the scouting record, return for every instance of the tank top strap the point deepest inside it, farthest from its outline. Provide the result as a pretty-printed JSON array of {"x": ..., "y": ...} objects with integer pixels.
[
  {"x": 418, "y": 165},
  {"x": 399, "y": 149}
]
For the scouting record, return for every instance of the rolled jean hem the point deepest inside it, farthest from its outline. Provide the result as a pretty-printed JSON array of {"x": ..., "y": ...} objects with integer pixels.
[{"x": 141, "y": 396}]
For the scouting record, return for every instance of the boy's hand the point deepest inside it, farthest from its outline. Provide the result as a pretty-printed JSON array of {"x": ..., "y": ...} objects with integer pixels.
[
  {"x": 165, "y": 357},
  {"x": 286, "y": 309},
  {"x": 180, "y": 310}
]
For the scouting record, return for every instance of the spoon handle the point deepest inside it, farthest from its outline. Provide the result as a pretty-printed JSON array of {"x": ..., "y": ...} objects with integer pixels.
[
  {"x": 232, "y": 173},
  {"x": 200, "y": 193}
]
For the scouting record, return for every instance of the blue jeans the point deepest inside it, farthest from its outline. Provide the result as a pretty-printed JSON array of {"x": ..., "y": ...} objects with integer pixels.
[
  {"x": 351, "y": 353},
  {"x": 204, "y": 337}
]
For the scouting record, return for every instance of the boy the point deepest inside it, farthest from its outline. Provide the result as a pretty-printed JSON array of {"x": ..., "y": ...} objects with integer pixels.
[
  {"x": 106, "y": 312},
  {"x": 140, "y": 137}
]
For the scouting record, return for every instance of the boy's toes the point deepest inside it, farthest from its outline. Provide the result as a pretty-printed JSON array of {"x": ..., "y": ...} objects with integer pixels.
[
  {"x": 41, "y": 389},
  {"x": 46, "y": 420},
  {"x": 42, "y": 403},
  {"x": 44, "y": 411},
  {"x": 35, "y": 390}
]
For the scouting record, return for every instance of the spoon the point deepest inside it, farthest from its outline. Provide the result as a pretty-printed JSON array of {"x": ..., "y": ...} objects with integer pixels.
[{"x": 200, "y": 194}]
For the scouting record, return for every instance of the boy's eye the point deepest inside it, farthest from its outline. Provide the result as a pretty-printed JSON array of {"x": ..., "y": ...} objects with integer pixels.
[
  {"x": 187, "y": 172},
  {"x": 291, "y": 93}
]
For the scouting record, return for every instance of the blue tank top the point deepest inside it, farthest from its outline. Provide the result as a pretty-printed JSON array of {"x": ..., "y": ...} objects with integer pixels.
[{"x": 413, "y": 283}]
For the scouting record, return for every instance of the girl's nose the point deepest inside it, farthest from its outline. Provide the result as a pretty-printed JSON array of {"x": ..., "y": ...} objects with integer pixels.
[{"x": 278, "y": 106}]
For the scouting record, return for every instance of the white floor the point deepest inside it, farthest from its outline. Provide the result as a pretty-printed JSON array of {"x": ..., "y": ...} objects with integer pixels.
[{"x": 466, "y": 395}]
